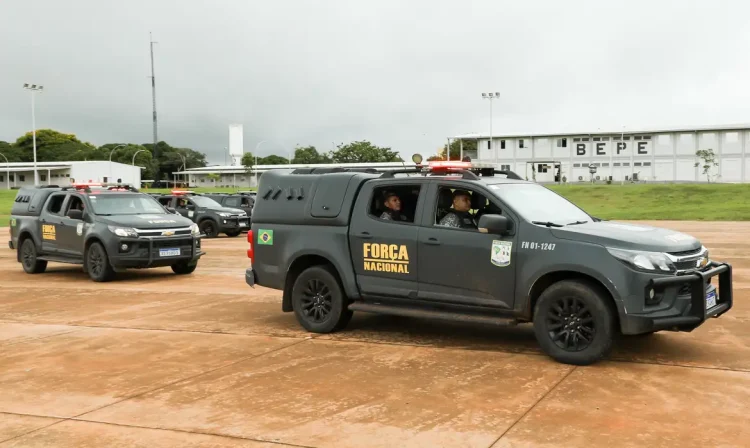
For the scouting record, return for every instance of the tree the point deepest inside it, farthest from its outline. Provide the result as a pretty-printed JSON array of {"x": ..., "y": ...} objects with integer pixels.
[
  {"x": 708, "y": 158},
  {"x": 273, "y": 160},
  {"x": 52, "y": 146},
  {"x": 10, "y": 152},
  {"x": 363, "y": 152},
  {"x": 248, "y": 161},
  {"x": 455, "y": 150},
  {"x": 309, "y": 155}
]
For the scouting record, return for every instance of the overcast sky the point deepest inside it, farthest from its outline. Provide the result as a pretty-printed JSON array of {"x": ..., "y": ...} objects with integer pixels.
[{"x": 400, "y": 73}]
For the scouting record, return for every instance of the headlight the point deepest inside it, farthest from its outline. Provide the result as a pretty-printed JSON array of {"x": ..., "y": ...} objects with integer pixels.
[
  {"x": 644, "y": 261},
  {"x": 194, "y": 230},
  {"x": 123, "y": 231},
  {"x": 225, "y": 215}
]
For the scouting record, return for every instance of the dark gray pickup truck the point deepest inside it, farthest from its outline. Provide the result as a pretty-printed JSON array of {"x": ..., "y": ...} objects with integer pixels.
[
  {"x": 104, "y": 229},
  {"x": 462, "y": 241}
]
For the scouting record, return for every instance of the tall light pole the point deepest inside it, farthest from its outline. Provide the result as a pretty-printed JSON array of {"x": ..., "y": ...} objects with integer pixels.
[
  {"x": 110, "y": 160},
  {"x": 136, "y": 153},
  {"x": 492, "y": 96},
  {"x": 7, "y": 171},
  {"x": 34, "y": 88}
]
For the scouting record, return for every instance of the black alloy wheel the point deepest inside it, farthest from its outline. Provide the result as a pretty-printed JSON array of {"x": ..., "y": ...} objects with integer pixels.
[
  {"x": 570, "y": 324},
  {"x": 31, "y": 264},
  {"x": 316, "y": 301},
  {"x": 97, "y": 263}
]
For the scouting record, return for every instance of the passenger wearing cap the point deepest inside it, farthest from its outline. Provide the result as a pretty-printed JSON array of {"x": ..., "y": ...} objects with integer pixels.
[
  {"x": 393, "y": 205},
  {"x": 459, "y": 216}
]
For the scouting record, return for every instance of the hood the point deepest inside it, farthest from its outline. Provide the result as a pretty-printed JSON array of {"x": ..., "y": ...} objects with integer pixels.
[
  {"x": 629, "y": 236},
  {"x": 165, "y": 221},
  {"x": 234, "y": 211}
]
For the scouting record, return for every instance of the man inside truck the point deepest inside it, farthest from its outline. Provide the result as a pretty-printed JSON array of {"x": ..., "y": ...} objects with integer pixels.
[
  {"x": 392, "y": 203},
  {"x": 459, "y": 216}
]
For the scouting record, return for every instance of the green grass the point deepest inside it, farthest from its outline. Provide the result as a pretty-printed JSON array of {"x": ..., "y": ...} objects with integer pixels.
[{"x": 694, "y": 202}]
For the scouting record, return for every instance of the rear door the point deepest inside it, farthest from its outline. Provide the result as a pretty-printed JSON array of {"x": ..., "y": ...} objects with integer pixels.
[
  {"x": 50, "y": 221},
  {"x": 384, "y": 252}
]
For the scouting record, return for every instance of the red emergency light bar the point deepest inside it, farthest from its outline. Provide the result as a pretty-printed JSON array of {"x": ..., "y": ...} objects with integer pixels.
[
  {"x": 178, "y": 192},
  {"x": 447, "y": 164}
]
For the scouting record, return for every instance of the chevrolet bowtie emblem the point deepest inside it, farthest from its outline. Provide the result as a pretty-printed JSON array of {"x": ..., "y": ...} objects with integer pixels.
[{"x": 167, "y": 233}]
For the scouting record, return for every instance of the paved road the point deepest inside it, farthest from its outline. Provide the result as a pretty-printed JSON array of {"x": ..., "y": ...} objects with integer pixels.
[{"x": 156, "y": 360}]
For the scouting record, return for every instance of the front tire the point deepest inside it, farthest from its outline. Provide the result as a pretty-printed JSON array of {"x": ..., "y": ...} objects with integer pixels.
[
  {"x": 97, "y": 263},
  {"x": 209, "y": 228},
  {"x": 29, "y": 258},
  {"x": 574, "y": 323},
  {"x": 184, "y": 268},
  {"x": 318, "y": 301}
]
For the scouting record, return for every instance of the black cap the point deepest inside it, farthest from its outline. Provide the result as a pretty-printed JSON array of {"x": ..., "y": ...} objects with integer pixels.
[{"x": 461, "y": 193}]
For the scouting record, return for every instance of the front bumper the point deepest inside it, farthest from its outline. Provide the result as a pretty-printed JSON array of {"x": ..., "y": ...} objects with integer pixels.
[
  {"x": 234, "y": 223},
  {"x": 695, "y": 311},
  {"x": 10, "y": 245},
  {"x": 155, "y": 251}
]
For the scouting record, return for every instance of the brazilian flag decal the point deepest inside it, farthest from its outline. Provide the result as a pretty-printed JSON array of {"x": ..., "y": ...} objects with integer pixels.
[{"x": 265, "y": 237}]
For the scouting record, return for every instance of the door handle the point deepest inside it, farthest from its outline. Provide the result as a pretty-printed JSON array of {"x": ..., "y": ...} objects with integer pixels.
[
  {"x": 365, "y": 235},
  {"x": 432, "y": 241}
]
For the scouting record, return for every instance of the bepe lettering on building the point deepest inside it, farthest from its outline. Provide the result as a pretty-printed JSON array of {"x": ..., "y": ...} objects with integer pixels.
[{"x": 620, "y": 148}]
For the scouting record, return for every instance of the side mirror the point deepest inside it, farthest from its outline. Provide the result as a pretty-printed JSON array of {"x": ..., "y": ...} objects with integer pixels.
[
  {"x": 190, "y": 207},
  {"x": 171, "y": 210},
  {"x": 75, "y": 214},
  {"x": 494, "y": 224}
]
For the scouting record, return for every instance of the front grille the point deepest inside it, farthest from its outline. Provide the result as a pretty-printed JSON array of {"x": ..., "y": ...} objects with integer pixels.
[
  {"x": 158, "y": 232},
  {"x": 173, "y": 242},
  {"x": 686, "y": 253}
]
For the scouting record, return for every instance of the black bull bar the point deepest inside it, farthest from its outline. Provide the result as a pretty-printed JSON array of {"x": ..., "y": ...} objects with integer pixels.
[{"x": 697, "y": 281}]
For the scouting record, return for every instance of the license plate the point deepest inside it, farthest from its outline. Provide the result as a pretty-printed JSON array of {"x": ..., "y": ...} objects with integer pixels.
[
  {"x": 169, "y": 252},
  {"x": 710, "y": 299}
]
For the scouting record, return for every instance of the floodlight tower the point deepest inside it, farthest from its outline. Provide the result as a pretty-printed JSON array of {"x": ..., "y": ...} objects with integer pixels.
[
  {"x": 492, "y": 96},
  {"x": 34, "y": 88}
]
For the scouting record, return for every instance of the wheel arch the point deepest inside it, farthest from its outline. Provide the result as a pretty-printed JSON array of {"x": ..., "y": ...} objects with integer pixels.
[
  {"x": 23, "y": 236},
  {"x": 548, "y": 279},
  {"x": 301, "y": 263},
  {"x": 89, "y": 241}
]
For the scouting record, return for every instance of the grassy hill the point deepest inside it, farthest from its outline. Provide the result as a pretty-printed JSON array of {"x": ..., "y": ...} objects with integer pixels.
[{"x": 704, "y": 202}]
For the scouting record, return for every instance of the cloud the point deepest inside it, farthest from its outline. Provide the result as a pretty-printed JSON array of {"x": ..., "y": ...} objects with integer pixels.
[{"x": 400, "y": 74}]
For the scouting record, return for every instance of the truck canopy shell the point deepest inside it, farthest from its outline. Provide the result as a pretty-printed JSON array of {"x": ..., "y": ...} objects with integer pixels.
[{"x": 29, "y": 201}]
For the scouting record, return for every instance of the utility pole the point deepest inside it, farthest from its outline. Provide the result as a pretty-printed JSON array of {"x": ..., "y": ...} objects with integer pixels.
[
  {"x": 34, "y": 88},
  {"x": 153, "y": 99},
  {"x": 491, "y": 96}
]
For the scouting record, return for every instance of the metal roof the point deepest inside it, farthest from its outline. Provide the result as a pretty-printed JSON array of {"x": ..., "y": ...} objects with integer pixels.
[
  {"x": 626, "y": 131},
  {"x": 19, "y": 169},
  {"x": 233, "y": 169}
]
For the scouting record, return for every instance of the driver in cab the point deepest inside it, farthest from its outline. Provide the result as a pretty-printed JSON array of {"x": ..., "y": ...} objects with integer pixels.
[{"x": 459, "y": 216}]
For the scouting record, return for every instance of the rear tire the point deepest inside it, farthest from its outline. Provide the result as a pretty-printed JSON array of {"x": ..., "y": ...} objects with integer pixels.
[
  {"x": 184, "y": 268},
  {"x": 209, "y": 228},
  {"x": 574, "y": 323},
  {"x": 28, "y": 254},
  {"x": 319, "y": 302},
  {"x": 97, "y": 263}
]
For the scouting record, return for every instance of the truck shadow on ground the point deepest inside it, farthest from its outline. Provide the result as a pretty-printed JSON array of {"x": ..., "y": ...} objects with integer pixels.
[{"x": 520, "y": 339}]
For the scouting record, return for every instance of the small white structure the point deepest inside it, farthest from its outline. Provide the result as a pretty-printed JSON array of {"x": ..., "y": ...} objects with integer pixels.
[
  {"x": 653, "y": 155},
  {"x": 236, "y": 144},
  {"x": 21, "y": 174}
]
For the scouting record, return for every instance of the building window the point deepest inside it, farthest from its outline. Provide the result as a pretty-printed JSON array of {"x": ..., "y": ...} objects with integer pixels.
[
  {"x": 12, "y": 177},
  {"x": 637, "y": 164},
  {"x": 646, "y": 163},
  {"x": 22, "y": 178},
  {"x": 616, "y": 164},
  {"x": 576, "y": 165},
  {"x": 2, "y": 178},
  {"x": 502, "y": 144},
  {"x": 520, "y": 143},
  {"x": 489, "y": 144},
  {"x": 505, "y": 167},
  {"x": 562, "y": 142},
  {"x": 43, "y": 177},
  {"x": 626, "y": 164},
  {"x": 605, "y": 164},
  {"x": 585, "y": 139},
  {"x": 597, "y": 139},
  {"x": 576, "y": 140}
]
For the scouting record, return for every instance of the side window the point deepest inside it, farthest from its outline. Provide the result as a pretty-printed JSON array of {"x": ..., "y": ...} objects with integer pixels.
[
  {"x": 75, "y": 203},
  {"x": 165, "y": 201},
  {"x": 232, "y": 202},
  {"x": 181, "y": 203},
  {"x": 55, "y": 204},
  {"x": 462, "y": 208},
  {"x": 395, "y": 202}
]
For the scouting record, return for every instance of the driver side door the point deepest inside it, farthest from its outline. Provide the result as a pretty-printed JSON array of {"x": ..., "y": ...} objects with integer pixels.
[
  {"x": 465, "y": 266},
  {"x": 70, "y": 232}
]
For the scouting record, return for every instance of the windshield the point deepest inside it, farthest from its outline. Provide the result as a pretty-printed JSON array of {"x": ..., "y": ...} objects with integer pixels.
[
  {"x": 201, "y": 201},
  {"x": 125, "y": 204},
  {"x": 537, "y": 203}
]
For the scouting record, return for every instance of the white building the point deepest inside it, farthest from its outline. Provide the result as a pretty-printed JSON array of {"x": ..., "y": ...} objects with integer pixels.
[
  {"x": 653, "y": 155},
  {"x": 21, "y": 174},
  {"x": 238, "y": 176}
]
